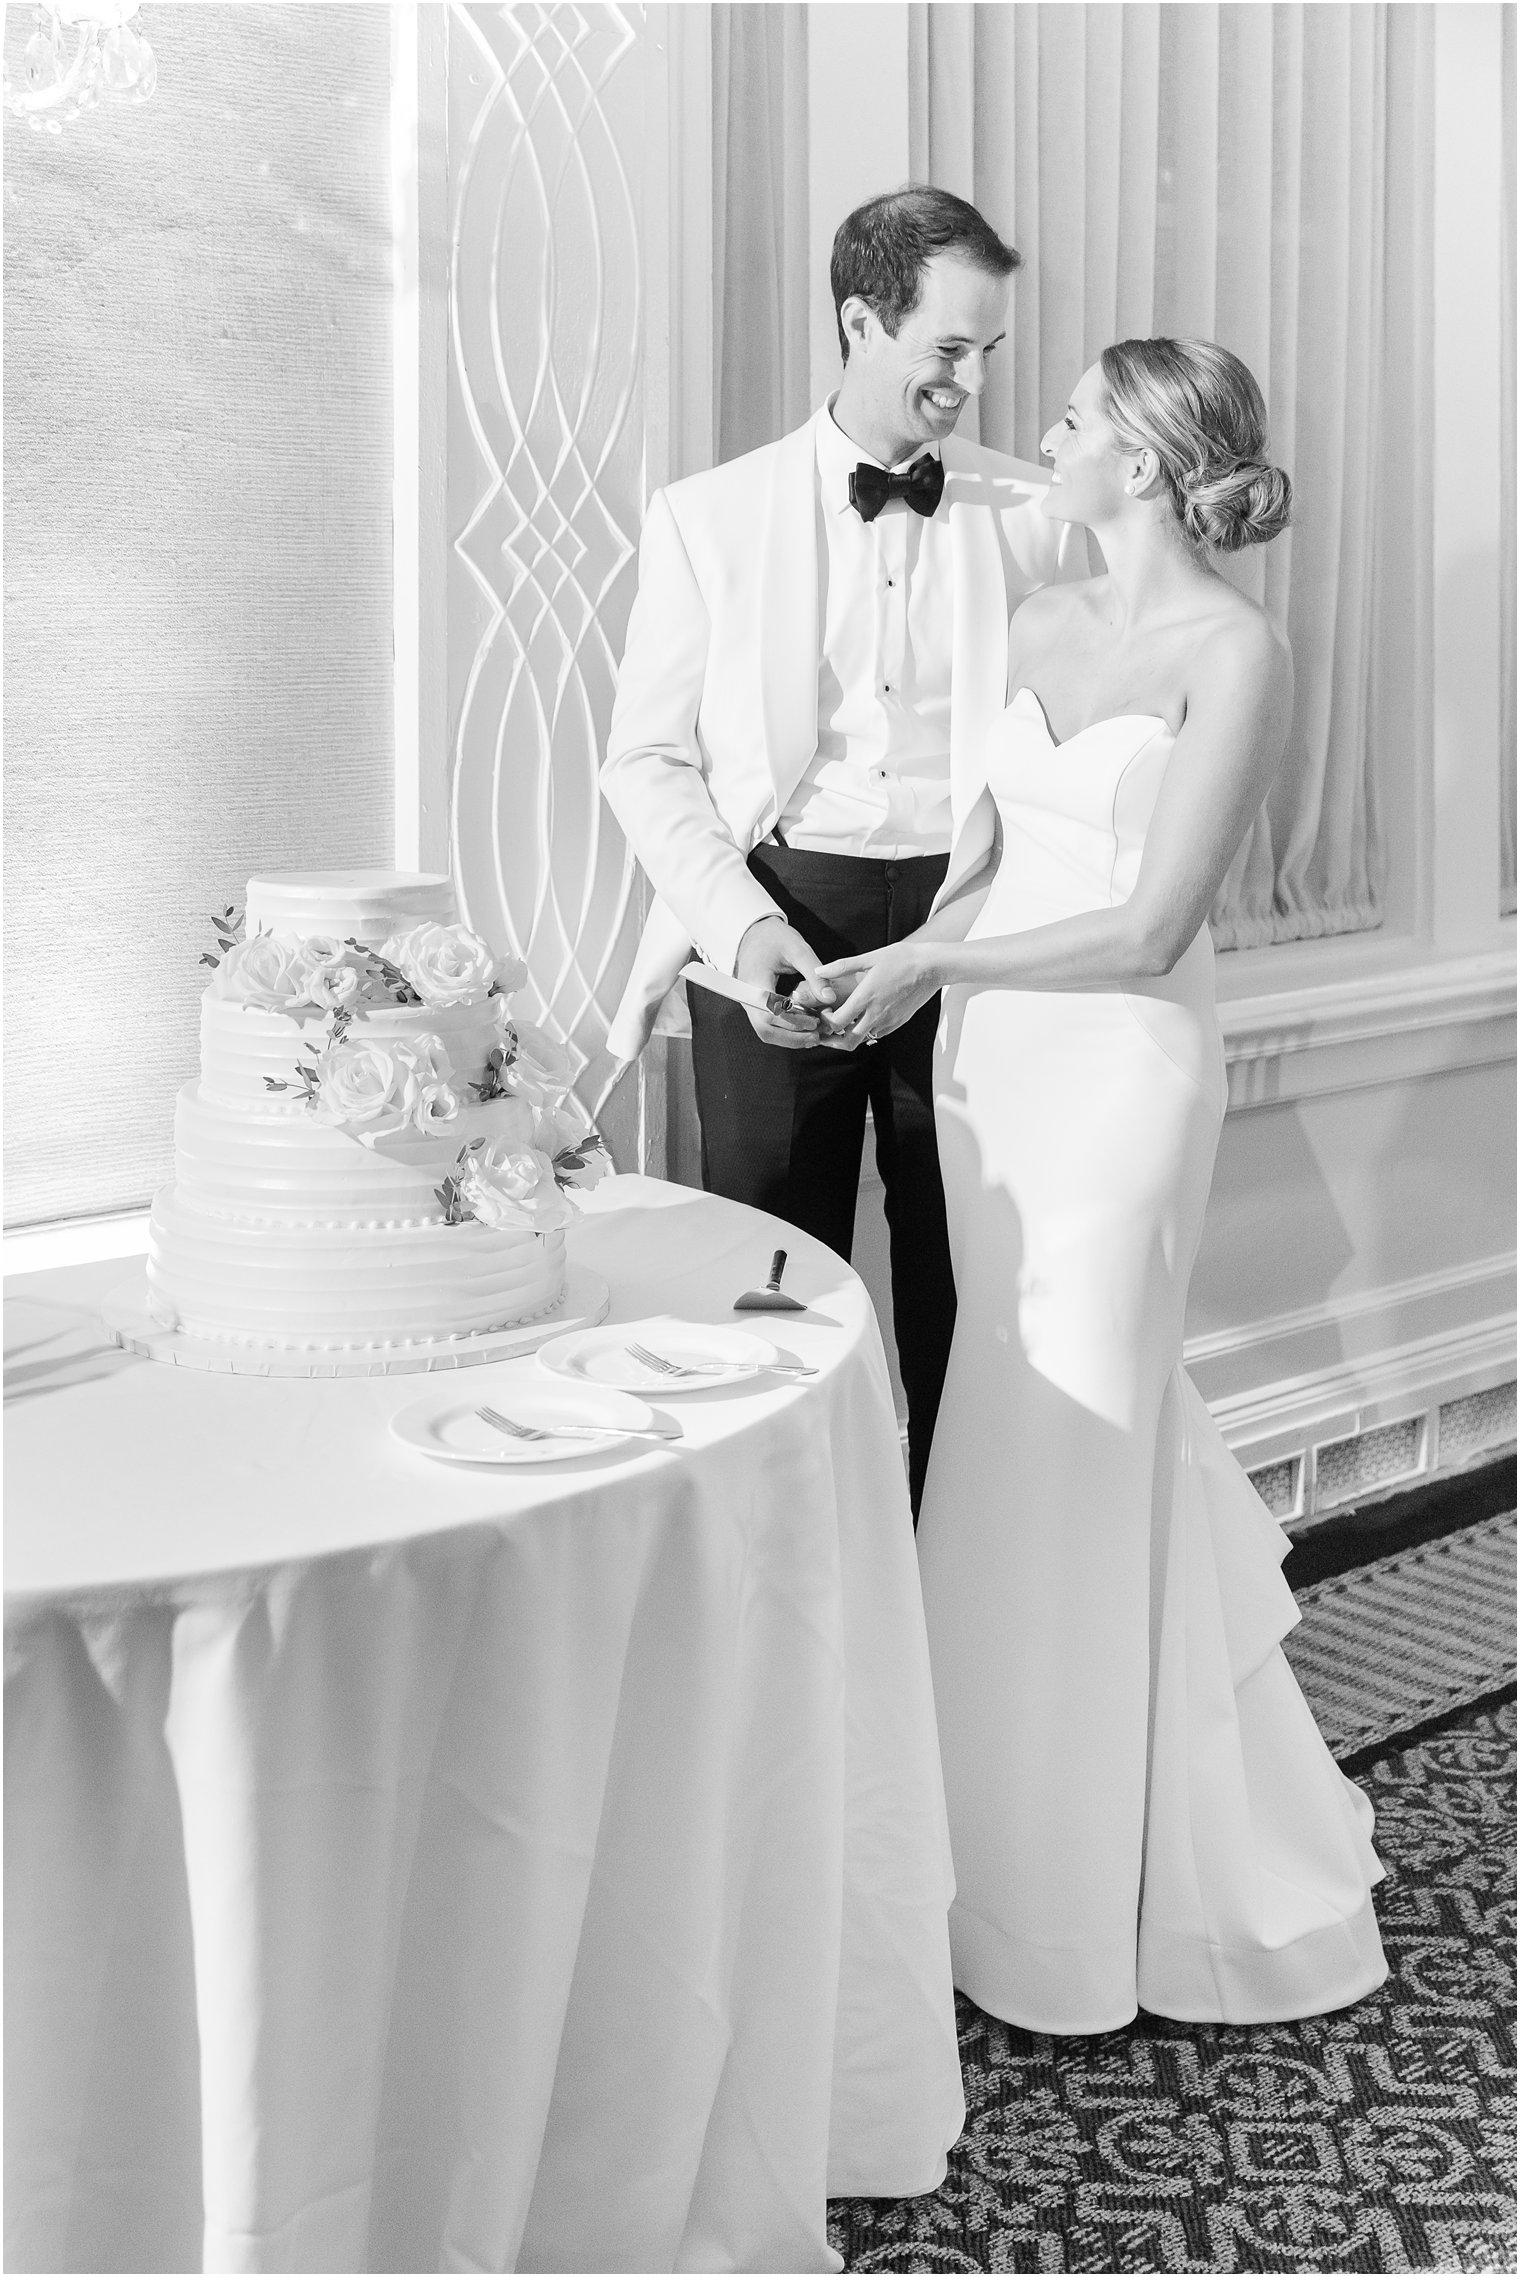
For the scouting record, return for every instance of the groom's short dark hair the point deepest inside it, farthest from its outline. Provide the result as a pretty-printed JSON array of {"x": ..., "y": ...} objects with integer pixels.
[{"x": 882, "y": 249}]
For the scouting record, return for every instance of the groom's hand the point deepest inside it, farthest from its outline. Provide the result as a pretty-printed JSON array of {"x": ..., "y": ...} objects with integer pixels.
[{"x": 771, "y": 955}]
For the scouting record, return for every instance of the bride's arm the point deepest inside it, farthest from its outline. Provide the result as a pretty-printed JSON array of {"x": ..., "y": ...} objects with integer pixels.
[
  {"x": 951, "y": 922},
  {"x": 1239, "y": 704}
]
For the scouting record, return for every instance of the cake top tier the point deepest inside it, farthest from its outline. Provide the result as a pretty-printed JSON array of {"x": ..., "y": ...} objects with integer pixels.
[{"x": 365, "y": 905}]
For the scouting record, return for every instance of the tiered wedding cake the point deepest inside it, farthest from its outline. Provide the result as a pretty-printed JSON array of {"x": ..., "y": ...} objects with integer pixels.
[{"x": 375, "y": 1153}]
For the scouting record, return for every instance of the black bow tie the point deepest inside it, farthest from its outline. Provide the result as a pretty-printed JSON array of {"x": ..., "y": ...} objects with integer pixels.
[{"x": 921, "y": 484}]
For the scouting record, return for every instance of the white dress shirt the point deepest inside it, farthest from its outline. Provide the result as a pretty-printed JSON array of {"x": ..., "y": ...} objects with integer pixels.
[{"x": 879, "y": 782}]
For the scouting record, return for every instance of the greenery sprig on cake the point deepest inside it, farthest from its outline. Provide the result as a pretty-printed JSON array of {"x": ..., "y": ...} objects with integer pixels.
[
  {"x": 374, "y": 1085},
  {"x": 507, "y": 1186}
]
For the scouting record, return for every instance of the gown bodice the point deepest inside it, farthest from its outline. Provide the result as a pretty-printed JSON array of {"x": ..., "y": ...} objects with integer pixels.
[
  {"x": 1074, "y": 818},
  {"x": 1074, "y": 815}
]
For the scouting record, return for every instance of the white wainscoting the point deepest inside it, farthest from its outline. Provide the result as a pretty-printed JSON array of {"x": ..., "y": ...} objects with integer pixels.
[{"x": 1353, "y": 1317}]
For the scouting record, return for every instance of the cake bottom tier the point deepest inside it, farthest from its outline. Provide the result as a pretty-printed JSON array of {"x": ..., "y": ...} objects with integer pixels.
[{"x": 339, "y": 1289}]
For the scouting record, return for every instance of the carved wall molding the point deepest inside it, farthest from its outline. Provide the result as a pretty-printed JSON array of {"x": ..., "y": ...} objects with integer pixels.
[{"x": 547, "y": 314}]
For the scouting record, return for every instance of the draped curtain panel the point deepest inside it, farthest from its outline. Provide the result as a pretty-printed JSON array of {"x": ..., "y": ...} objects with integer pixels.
[
  {"x": 760, "y": 222},
  {"x": 1226, "y": 172},
  {"x": 1258, "y": 175},
  {"x": 1507, "y": 484}
]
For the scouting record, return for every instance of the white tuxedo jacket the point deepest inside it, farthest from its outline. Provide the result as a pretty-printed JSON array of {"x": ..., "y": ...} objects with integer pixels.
[{"x": 716, "y": 717}]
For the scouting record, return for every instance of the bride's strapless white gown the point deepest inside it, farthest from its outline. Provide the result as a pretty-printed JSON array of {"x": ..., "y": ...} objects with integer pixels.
[{"x": 1142, "y": 1811}]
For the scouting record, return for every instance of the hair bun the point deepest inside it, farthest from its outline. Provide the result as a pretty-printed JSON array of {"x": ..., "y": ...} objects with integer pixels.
[
  {"x": 1196, "y": 405},
  {"x": 1231, "y": 507}
]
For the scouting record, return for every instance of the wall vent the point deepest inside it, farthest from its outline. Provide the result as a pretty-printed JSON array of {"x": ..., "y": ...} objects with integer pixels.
[
  {"x": 1467, "y": 1426},
  {"x": 1344, "y": 1469},
  {"x": 1280, "y": 1486}
]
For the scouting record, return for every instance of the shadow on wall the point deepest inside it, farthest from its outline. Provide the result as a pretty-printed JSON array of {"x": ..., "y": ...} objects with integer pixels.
[{"x": 1275, "y": 1237}]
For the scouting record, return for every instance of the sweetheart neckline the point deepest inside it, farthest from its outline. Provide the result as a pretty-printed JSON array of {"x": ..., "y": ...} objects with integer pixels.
[{"x": 1059, "y": 743}]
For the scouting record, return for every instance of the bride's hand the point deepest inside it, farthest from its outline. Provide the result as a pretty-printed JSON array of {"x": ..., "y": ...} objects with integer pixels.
[{"x": 887, "y": 987}]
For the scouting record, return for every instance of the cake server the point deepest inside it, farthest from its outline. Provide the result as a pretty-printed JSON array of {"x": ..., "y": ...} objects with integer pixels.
[{"x": 772, "y": 1297}]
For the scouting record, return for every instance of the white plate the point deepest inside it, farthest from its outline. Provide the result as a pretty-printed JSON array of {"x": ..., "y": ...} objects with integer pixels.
[
  {"x": 451, "y": 1431},
  {"x": 601, "y": 1356}
]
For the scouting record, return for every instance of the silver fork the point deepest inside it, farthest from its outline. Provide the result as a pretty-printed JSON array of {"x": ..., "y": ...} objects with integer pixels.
[
  {"x": 515, "y": 1430},
  {"x": 664, "y": 1367}
]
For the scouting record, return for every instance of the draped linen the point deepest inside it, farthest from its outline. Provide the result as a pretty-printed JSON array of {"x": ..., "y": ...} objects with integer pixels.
[{"x": 1223, "y": 171}]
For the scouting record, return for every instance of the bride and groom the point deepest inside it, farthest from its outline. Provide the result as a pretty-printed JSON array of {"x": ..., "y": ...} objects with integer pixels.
[{"x": 952, "y": 813}]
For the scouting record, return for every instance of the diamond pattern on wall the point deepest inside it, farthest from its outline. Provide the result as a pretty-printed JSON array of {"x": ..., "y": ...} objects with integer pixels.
[{"x": 545, "y": 488}]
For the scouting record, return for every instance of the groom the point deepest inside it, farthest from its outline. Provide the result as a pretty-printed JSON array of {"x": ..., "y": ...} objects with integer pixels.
[{"x": 819, "y": 639}]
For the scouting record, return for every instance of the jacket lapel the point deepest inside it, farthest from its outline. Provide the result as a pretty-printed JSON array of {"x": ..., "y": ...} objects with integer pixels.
[
  {"x": 978, "y": 657},
  {"x": 785, "y": 653},
  {"x": 979, "y": 650}
]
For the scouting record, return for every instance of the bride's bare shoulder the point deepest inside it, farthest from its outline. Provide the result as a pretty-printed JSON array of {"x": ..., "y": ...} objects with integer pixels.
[
  {"x": 1240, "y": 638},
  {"x": 1053, "y": 610},
  {"x": 1242, "y": 667}
]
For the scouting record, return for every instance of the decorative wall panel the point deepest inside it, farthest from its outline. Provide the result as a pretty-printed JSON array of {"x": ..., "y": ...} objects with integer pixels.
[{"x": 547, "y": 109}]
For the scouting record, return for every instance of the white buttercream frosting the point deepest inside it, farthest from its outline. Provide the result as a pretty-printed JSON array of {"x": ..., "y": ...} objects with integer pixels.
[{"x": 285, "y": 1230}]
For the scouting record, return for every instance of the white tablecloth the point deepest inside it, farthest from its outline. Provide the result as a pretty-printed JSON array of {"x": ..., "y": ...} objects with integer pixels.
[{"x": 418, "y": 1868}]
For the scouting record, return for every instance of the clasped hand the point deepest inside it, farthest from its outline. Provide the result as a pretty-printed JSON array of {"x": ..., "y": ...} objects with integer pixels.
[{"x": 889, "y": 986}]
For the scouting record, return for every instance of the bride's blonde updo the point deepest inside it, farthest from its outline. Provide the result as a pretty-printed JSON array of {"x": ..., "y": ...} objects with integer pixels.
[{"x": 1199, "y": 409}]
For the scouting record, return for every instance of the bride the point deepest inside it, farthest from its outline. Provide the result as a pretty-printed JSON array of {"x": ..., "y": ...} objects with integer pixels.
[{"x": 1142, "y": 1811}]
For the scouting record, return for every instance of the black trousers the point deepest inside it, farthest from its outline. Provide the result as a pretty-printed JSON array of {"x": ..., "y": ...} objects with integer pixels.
[{"x": 783, "y": 1130}]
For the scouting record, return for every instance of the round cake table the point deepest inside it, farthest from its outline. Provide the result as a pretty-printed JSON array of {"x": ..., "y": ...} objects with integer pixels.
[{"x": 418, "y": 1867}]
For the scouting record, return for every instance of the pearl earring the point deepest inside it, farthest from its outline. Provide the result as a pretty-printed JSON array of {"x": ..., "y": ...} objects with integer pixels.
[{"x": 1129, "y": 490}]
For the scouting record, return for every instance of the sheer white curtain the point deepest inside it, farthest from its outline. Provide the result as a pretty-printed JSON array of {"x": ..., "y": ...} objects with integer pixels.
[
  {"x": 760, "y": 222},
  {"x": 1229, "y": 171},
  {"x": 1257, "y": 174}
]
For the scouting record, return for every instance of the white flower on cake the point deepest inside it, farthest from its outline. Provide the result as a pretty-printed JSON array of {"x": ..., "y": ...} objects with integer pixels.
[
  {"x": 373, "y": 1090},
  {"x": 507, "y": 1186},
  {"x": 331, "y": 975},
  {"x": 542, "y": 1071},
  {"x": 446, "y": 964},
  {"x": 575, "y": 1148},
  {"x": 434, "y": 1102},
  {"x": 267, "y": 971}
]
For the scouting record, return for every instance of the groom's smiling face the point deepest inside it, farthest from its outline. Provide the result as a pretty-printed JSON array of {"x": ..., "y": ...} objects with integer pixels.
[{"x": 910, "y": 388}]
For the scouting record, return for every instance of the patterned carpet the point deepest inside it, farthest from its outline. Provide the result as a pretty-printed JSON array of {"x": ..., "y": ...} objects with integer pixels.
[
  {"x": 1378, "y": 2139},
  {"x": 1392, "y": 1645}
]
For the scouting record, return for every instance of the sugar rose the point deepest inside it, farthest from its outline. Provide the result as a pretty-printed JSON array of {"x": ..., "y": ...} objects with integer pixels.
[
  {"x": 508, "y": 1186},
  {"x": 446, "y": 964},
  {"x": 373, "y": 1089},
  {"x": 265, "y": 971},
  {"x": 543, "y": 1070},
  {"x": 577, "y": 1150},
  {"x": 331, "y": 977},
  {"x": 434, "y": 1102}
]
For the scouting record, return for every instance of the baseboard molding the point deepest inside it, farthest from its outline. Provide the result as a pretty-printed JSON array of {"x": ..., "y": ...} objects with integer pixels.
[{"x": 1333, "y": 1435}]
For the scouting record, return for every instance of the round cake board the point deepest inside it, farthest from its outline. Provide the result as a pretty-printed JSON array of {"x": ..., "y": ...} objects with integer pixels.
[{"x": 127, "y": 1318}]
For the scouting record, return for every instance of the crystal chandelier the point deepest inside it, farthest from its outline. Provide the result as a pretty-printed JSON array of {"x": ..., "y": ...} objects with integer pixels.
[{"x": 80, "y": 51}]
